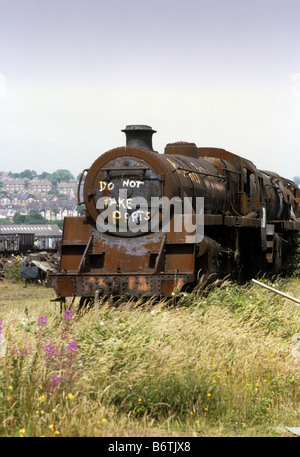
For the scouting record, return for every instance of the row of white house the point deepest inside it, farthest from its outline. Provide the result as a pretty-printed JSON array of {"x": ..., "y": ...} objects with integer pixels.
[
  {"x": 49, "y": 210},
  {"x": 51, "y": 207}
]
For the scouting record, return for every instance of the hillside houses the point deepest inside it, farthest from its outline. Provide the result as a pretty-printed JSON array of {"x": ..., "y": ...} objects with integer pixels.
[
  {"x": 22, "y": 198},
  {"x": 36, "y": 186},
  {"x": 14, "y": 185},
  {"x": 68, "y": 188},
  {"x": 23, "y": 195},
  {"x": 39, "y": 186},
  {"x": 55, "y": 210}
]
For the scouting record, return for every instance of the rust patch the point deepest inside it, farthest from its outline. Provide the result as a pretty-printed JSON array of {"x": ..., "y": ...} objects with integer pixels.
[{"x": 139, "y": 283}]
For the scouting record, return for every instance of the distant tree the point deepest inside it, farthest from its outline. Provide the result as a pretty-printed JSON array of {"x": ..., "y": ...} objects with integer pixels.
[
  {"x": 13, "y": 175},
  {"x": 30, "y": 174},
  {"x": 55, "y": 211},
  {"x": 34, "y": 217},
  {"x": 20, "y": 218},
  {"x": 81, "y": 209},
  {"x": 45, "y": 175},
  {"x": 60, "y": 176},
  {"x": 53, "y": 190},
  {"x": 5, "y": 221},
  {"x": 296, "y": 179},
  {"x": 58, "y": 222}
]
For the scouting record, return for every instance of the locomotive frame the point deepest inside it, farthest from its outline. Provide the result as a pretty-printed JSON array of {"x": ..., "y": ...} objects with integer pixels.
[{"x": 251, "y": 221}]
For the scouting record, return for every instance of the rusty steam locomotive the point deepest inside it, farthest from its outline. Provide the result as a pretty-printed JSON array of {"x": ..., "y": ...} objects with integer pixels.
[{"x": 251, "y": 220}]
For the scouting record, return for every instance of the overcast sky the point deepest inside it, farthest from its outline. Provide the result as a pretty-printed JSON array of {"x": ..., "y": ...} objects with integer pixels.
[{"x": 220, "y": 73}]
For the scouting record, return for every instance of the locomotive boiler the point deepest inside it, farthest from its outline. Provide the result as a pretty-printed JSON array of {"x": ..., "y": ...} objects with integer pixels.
[{"x": 134, "y": 240}]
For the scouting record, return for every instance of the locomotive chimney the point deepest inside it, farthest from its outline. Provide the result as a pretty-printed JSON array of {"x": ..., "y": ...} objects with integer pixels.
[{"x": 139, "y": 136}]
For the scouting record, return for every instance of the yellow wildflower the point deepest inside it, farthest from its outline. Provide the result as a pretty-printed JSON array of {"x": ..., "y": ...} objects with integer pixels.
[
  {"x": 42, "y": 398},
  {"x": 191, "y": 412},
  {"x": 71, "y": 396},
  {"x": 10, "y": 388},
  {"x": 139, "y": 399},
  {"x": 102, "y": 422},
  {"x": 8, "y": 398},
  {"x": 209, "y": 395},
  {"x": 51, "y": 427}
]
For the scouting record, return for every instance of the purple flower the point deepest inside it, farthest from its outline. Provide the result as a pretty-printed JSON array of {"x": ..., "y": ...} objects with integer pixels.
[
  {"x": 72, "y": 347},
  {"x": 52, "y": 357},
  {"x": 50, "y": 350},
  {"x": 68, "y": 315},
  {"x": 16, "y": 352},
  {"x": 55, "y": 381},
  {"x": 42, "y": 321},
  {"x": 72, "y": 352}
]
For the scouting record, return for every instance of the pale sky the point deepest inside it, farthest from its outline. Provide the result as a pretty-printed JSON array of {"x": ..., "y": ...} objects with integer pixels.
[{"x": 220, "y": 73}]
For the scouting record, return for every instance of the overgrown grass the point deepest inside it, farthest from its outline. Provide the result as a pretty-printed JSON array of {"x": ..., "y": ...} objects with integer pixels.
[{"x": 219, "y": 363}]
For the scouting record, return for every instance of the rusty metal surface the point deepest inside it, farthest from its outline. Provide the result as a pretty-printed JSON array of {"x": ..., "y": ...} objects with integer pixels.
[
  {"x": 247, "y": 213},
  {"x": 85, "y": 285}
]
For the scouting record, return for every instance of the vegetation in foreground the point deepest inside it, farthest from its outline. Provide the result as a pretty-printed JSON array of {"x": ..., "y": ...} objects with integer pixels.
[{"x": 221, "y": 363}]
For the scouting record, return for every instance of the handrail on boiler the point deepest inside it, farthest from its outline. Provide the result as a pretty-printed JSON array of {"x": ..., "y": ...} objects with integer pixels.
[{"x": 79, "y": 186}]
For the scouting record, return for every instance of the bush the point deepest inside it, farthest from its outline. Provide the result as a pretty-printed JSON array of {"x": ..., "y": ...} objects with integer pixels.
[{"x": 12, "y": 269}]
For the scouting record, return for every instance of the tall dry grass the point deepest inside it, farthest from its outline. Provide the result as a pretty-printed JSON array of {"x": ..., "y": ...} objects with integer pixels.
[{"x": 216, "y": 363}]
